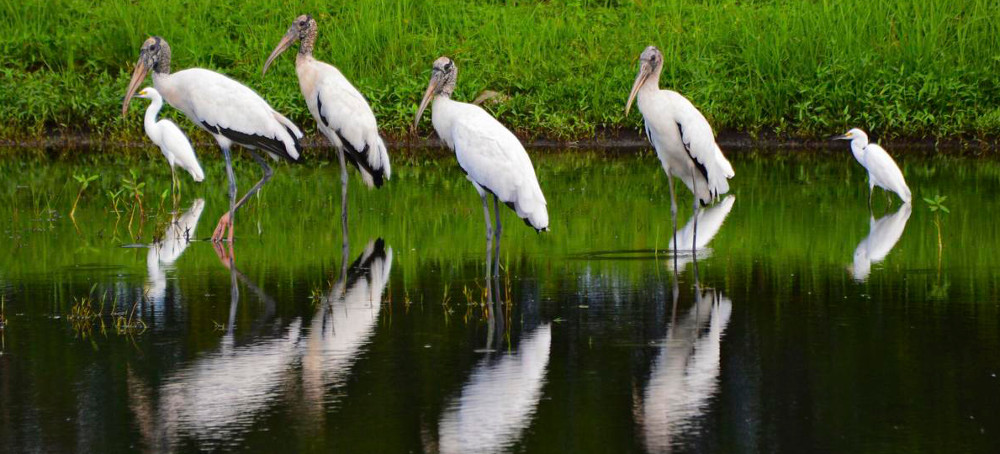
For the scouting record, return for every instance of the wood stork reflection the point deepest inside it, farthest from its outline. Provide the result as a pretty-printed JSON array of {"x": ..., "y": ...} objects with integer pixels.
[
  {"x": 342, "y": 114},
  {"x": 882, "y": 170},
  {"x": 681, "y": 135},
  {"x": 174, "y": 145},
  {"x": 489, "y": 154},
  {"x": 227, "y": 109}
]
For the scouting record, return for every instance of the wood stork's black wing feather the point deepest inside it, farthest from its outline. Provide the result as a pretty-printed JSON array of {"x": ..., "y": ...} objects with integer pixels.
[
  {"x": 360, "y": 160},
  {"x": 687, "y": 147},
  {"x": 269, "y": 144}
]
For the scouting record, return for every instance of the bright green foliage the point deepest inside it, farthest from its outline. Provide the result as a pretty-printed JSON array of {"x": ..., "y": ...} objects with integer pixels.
[{"x": 796, "y": 68}]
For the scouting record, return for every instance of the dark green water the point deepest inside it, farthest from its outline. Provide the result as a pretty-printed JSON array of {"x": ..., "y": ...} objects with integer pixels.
[{"x": 808, "y": 327}]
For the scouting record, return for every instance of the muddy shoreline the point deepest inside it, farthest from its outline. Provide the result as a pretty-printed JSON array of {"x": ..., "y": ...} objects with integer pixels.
[{"x": 732, "y": 141}]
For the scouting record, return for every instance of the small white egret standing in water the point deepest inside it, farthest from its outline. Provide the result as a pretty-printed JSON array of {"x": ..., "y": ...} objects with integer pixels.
[
  {"x": 171, "y": 140},
  {"x": 227, "y": 109},
  {"x": 882, "y": 170},
  {"x": 491, "y": 156},
  {"x": 341, "y": 112},
  {"x": 682, "y": 137}
]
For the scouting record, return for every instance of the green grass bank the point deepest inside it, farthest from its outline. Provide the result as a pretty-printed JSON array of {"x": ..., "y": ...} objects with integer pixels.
[{"x": 796, "y": 69}]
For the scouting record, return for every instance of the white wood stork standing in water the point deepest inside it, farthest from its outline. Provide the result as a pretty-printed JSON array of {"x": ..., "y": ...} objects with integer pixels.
[
  {"x": 172, "y": 142},
  {"x": 227, "y": 109},
  {"x": 491, "y": 156},
  {"x": 682, "y": 137},
  {"x": 341, "y": 112},
  {"x": 882, "y": 170}
]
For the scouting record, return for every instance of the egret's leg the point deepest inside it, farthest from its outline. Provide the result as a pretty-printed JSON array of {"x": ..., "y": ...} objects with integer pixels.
[
  {"x": 871, "y": 190},
  {"x": 343, "y": 190},
  {"x": 173, "y": 184},
  {"x": 489, "y": 234},
  {"x": 226, "y": 221},
  {"x": 496, "y": 234}
]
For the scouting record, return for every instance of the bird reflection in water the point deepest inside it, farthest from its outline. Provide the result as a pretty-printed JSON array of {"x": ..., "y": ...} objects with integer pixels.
[
  {"x": 685, "y": 373},
  {"x": 164, "y": 251},
  {"x": 344, "y": 323},
  {"x": 883, "y": 235},
  {"x": 698, "y": 232}
]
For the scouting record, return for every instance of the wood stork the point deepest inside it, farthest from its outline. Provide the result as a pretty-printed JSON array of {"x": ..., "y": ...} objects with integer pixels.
[
  {"x": 171, "y": 140},
  {"x": 489, "y": 154},
  {"x": 227, "y": 109},
  {"x": 341, "y": 112},
  {"x": 882, "y": 170},
  {"x": 682, "y": 137}
]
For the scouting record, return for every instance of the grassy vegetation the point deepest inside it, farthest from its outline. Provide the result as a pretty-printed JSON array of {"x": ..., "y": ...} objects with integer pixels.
[{"x": 796, "y": 68}]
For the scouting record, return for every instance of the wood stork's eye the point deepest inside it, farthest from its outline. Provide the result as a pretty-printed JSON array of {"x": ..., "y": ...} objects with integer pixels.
[
  {"x": 153, "y": 47},
  {"x": 302, "y": 23}
]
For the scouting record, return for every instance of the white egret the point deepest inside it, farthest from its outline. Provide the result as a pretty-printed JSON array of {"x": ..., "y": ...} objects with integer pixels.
[
  {"x": 681, "y": 135},
  {"x": 171, "y": 140},
  {"x": 342, "y": 114},
  {"x": 491, "y": 156},
  {"x": 882, "y": 170},
  {"x": 227, "y": 109}
]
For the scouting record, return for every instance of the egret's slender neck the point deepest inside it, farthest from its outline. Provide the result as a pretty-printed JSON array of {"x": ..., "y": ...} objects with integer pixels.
[
  {"x": 858, "y": 145},
  {"x": 306, "y": 44},
  {"x": 149, "y": 122}
]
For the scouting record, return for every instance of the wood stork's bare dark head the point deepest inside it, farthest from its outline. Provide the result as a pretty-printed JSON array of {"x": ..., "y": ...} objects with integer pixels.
[
  {"x": 154, "y": 55},
  {"x": 444, "y": 73},
  {"x": 302, "y": 30},
  {"x": 650, "y": 65}
]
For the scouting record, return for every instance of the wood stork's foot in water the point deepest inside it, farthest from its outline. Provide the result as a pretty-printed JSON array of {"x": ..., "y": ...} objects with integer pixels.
[
  {"x": 225, "y": 223},
  {"x": 225, "y": 254}
]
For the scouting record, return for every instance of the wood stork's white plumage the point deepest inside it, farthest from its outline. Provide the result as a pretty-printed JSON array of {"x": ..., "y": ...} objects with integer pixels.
[
  {"x": 171, "y": 140},
  {"x": 882, "y": 170},
  {"x": 342, "y": 114},
  {"x": 491, "y": 156},
  {"x": 227, "y": 109},
  {"x": 682, "y": 137}
]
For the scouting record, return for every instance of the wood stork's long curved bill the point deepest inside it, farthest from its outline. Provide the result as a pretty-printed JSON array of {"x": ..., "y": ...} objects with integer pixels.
[
  {"x": 435, "y": 82},
  {"x": 644, "y": 71},
  {"x": 283, "y": 45},
  {"x": 138, "y": 75}
]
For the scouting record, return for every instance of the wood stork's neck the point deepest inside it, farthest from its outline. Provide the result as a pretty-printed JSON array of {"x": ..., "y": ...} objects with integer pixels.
[
  {"x": 306, "y": 43},
  {"x": 652, "y": 83},
  {"x": 149, "y": 122}
]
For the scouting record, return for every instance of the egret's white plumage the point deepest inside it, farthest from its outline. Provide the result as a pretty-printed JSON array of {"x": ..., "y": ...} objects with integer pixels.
[
  {"x": 171, "y": 140},
  {"x": 227, "y": 109},
  {"x": 491, "y": 156},
  {"x": 882, "y": 169},
  {"x": 342, "y": 114}
]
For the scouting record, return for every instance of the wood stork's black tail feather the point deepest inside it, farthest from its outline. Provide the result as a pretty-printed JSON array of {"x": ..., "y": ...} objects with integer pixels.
[
  {"x": 360, "y": 160},
  {"x": 271, "y": 145}
]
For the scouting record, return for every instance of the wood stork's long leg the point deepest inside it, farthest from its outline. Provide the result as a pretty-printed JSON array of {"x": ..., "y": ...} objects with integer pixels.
[
  {"x": 226, "y": 221},
  {"x": 694, "y": 213},
  {"x": 489, "y": 234},
  {"x": 343, "y": 189},
  {"x": 673, "y": 215},
  {"x": 496, "y": 234}
]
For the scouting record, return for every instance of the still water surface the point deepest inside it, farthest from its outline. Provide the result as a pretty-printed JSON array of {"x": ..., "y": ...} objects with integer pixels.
[{"x": 803, "y": 325}]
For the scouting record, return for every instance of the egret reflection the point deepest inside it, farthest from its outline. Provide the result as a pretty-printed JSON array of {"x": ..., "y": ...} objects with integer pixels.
[
  {"x": 167, "y": 249},
  {"x": 498, "y": 401},
  {"x": 883, "y": 235},
  {"x": 345, "y": 322},
  {"x": 685, "y": 373}
]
